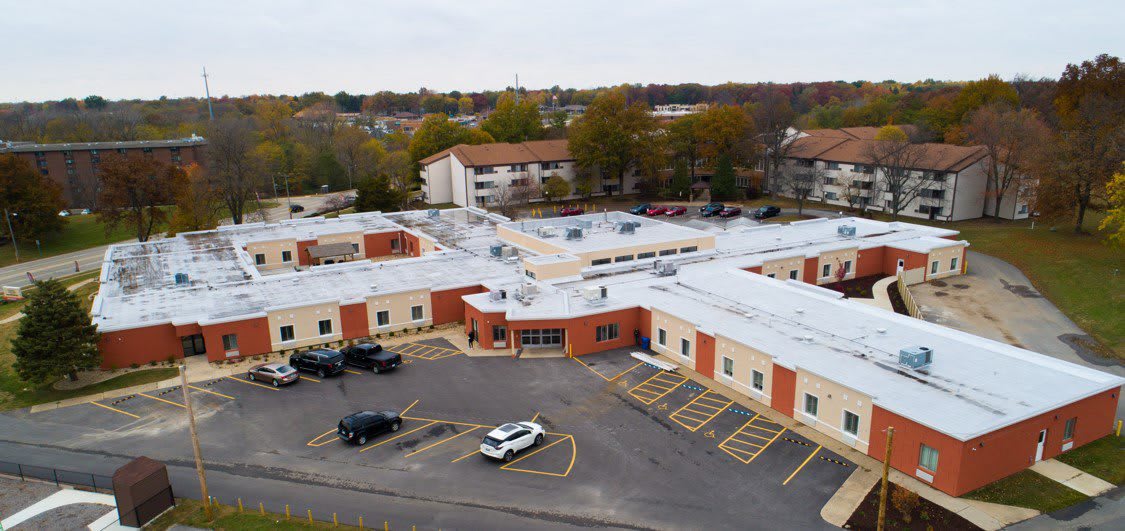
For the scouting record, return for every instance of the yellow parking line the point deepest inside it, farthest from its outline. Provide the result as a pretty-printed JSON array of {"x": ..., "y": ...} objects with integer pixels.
[
  {"x": 747, "y": 443},
  {"x": 251, "y": 383},
  {"x": 115, "y": 409},
  {"x": 573, "y": 456},
  {"x": 422, "y": 419},
  {"x": 396, "y": 437},
  {"x": 739, "y": 430},
  {"x": 807, "y": 459},
  {"x": 766, "y": 430},
  {"x": 626, "y": 371},
  {"x": 535, "y": 417},
  {"x": 303, "y": 377},
  {"x": 767, "y": 445},
  {"x": 322, "y": 443},
  {"x": 537, "y": 450},
  {"x": 590, "y": 368},
  {"x": 420, "y": 450},
  {"x": 212, "y": 392},
  {"x": 162, "y": 400},
  {"x": 443, "y": 356},
  {"x": 466, "y": 455},
  {"x": 408, "y": 348},
  {"x": 753, "y": 435},
  {"x": 352, "y": 372},
  {"x": 708, "y": 417},
  {"x": 408, "y": 408}
]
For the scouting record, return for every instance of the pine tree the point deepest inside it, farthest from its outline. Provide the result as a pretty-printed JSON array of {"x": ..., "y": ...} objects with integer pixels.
[
  {"x": 55, "y": 335},
  {"x": 722, "y": 183},
  {"x": 376, "y": 194},
  {"x": 680, "y": 185}
]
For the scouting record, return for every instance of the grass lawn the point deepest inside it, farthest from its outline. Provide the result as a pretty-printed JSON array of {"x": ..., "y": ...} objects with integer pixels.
[
  {"x": 1028, "y": 489},
  {"x": 190, "y": 513},
  {"x": 1104, "y": 458},
  {"x": 79, "y": 232}
]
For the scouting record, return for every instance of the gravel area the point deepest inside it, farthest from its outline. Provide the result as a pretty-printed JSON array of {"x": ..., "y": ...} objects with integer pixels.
[
  {"x": 76, "y": 516},
  {"x": 15, "y": 495}
]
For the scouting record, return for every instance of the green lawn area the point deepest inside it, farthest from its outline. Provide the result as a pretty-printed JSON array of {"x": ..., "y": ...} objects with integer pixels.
[
  {"x": 1028, "y": 489},
  {"x": 79, "y": 232},
  {"x": 1104, "y": 458},
  {"x": 190, "y": 513}
]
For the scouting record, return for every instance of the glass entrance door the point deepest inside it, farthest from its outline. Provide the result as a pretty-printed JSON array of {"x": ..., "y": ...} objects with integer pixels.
[
  {"x": 193, "y": 345},
  {"x": 541, "y": 338}
]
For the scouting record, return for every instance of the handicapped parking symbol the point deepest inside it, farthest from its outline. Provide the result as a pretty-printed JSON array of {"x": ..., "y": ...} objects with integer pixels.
[
  {"x": 710, "y": 434},
  {"x": 662, "y": 407}
]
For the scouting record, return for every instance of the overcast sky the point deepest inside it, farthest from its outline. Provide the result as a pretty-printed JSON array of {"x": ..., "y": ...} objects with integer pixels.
[{"x": 146, "y": 49}]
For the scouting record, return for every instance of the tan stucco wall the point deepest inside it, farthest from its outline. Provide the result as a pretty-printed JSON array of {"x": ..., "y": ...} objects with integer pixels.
[
  {"x": 835, "y": 259},
  {"x": 426, "y": 245},
  {"x": 677, "y": 328},
  {"x": 702, "y": 243},
  {"x": 527, "y": 241},
  {"x": 344, "y": 237},
  {"x": 833, "y": 400},
  {"x": 745, "y": 359},
  {"x": 305, "y": 321},
  {"x": 554, "y": 269},
  {"x": 781, "y": 267},
  {"x": 399, "y": 305},
  {"x": 944, "y": 256},
  {"x": 272, "y": 249}
]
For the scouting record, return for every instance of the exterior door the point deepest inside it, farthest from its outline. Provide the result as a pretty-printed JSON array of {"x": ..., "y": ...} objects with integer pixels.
[
  {"x": 193, "y": 345},
  {"x": 901, "y": 265},
  {"x": 1039, "y": 446}
]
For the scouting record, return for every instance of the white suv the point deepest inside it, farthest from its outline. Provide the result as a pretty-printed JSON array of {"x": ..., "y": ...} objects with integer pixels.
[{"x": 505, "y": 441}]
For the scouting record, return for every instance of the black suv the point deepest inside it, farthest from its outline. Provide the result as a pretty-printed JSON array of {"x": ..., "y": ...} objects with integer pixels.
[
  {"x": 296, "y": 208},
  {"x": 323, "y": 362},
  {"x": 372, "y": 357},
  {"x": 358, "y": 427},
  {"x": 711, "y": 209},
  {"x": 767, "y": 211}
]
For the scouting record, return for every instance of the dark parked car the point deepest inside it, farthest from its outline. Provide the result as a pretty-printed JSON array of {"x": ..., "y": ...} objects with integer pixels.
[
  {"x": 674, "y": 211},
  {"x": 656, "y": 210},
  {"x": 767, "y": 211},
  {"x": 710, "y": 209},
  {"x": 640, "y": 209},
  {"x": 730, "y": 212},
  {"x": 323, "y": 362},
  {"x": 570, "y": 211},
  {"x": 358, "y": 427},
  {"x": 371, "y": 356},
  {"x": 276, "y": 373},
  {"x": 296, "y": 208}
]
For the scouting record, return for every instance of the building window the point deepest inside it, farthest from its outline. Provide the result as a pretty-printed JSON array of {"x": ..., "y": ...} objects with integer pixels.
[
  {"x": 851, "y": 423},
  {"x": 325, "y": 326},
  {"x": 661, "y": 337},
  {"x": 826, "y": 270},
  {"x": 623, "y": 258},
  {"x": 1023, "y": 209},
  {"x": 691, "y": 249},
  {"x": 287, "y": 333},
  {"x": 830, "y": 195},
  {"x": 793, "y": 274},
  {"x": 728, "y": 367},
  {"x": 847, "y": 266},
  {"x": 1068, "y": 429},
  {"x": 685, "y": 348},
  {"x": 928, "y": 458},
  {"x": 383, "y": 318},
  {"x": 499, "y": 333},
  {"x": 259, "y": 259},
  {"x": 230, "y": 342},
  {"x": 529, "y": 273},
  {"x": 286, "y": 256},
  {"x": 812, "y": 403},
  {"x": 832, "y": 166},
  {"x": 355, "y": 248},
  {"x": 517, "y": 167},
  {"x": 546, "y": 337},
  {"x": 482, "y": 170},
  {"x": 416, "y": 313},
  {"x": 953, "y": 264},
  {"x": 599, "y": 261},
  {"x": 606, "y": 332},
  {"x": 642, "y": 256},
  {"x": 758, "y": 380},
  {"x": 933, "y": 267},
  {"x": 667, "y": 252}
]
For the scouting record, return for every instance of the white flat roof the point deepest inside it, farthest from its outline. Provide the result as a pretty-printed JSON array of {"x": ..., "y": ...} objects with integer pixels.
[{"x": 602, "y": 234}]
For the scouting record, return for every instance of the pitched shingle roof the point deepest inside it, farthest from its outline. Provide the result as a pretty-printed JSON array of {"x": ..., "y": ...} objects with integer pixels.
[
  {"x": 937, "y": 157},
  {"x": 499, "y": 154}
]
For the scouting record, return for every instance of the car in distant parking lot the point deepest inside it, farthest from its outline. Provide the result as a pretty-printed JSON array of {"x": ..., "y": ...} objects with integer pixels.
[
  {"x": 371, "y": 356},
  {"x": 656, "y": 210},
  {"x": 509, "y": 439},
  {"x": 570, "y": 211},
  {"x": 710, "y": 209},
  {"x": 640, "y": 209},
  {"x": 767, "y": 211},
  {"x": 278, "y": 374},
  {"x": 296, "y": 208},
  {"x": 358, "y": 427},
  {"x": 323, "y": 361},
  {"x": 674, "y": 211},
  {"x": 730, "y": 212}
]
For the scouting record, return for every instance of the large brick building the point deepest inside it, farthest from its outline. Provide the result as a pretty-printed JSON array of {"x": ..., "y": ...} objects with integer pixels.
[{"x": 75, "y": 166}]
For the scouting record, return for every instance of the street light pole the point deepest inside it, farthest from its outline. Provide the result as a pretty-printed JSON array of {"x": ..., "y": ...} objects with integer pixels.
[
  {"x": 206, "y": 498},
  {"x": 287, "y": 198},
  {"x": 12, "y": 233}
]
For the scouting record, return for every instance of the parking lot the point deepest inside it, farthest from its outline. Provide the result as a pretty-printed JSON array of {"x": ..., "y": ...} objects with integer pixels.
[{"x": 628, "y": 445}]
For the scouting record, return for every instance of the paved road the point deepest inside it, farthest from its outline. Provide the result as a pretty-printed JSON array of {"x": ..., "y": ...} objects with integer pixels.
[
  {"x": 91, "y": 259},
  {"x": 1102, "y": 512}
]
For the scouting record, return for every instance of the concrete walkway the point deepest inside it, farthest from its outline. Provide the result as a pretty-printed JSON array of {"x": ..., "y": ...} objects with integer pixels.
[
  {"x": 1072, "y": 477},
  {"x": 63, "y": 498},
  {"x": 880, "y": 298},
  {"x": 848, "y": 497}
]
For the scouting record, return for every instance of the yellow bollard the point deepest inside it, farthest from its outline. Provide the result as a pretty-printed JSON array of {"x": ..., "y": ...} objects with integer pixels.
[
  {"x": 1118, "y": 428},
  {"x": 385, "y": 526},
  {"x": 335, "y": 523},
  {"x": 240, "y": 505},
  {"x": 310, "y": 516},
  {"x": 361, "y": 521},
  {"x": 261, "y": 509},
  {"x": 287, "y": 511}
]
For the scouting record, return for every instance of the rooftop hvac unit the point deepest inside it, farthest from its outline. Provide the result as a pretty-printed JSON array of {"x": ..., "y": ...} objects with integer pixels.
[
  {"x": 547, "y": 232},
  {"x": 496, "y": 250},
  {"x": 182, "y": 279},
  {"x": 847, "y": 231},
  {"x": 664, "y": 268},
  {"x": 916, "y": 357},
  {"x": 595, "y": 294},
  {"x": 586, "y": 223},
  {"x": 574, "y": 233},
  {"x": 497, "y": 295},
  {"x": 626, "y": 227},
  {"x": 508, "y": 251},
  {"x": 528, "y": 290},
  {"x": 433, "y": 212}
]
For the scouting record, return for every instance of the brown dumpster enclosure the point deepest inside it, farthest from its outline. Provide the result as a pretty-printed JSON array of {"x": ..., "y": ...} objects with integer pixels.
[{"x": 142, "y": 490}]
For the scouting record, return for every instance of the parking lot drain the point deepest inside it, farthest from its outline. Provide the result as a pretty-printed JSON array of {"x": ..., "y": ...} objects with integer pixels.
[{"x": 830, "y": 460}]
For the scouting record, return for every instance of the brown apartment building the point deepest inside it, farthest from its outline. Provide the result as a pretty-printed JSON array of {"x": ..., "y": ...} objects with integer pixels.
[{"x": 74, "y": 166}]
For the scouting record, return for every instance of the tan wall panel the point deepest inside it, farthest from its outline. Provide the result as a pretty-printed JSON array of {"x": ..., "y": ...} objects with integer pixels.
[
  {"x": 554, "y": 270},
  {"x": 399, "y": 305},
  {"x": 833, "y": 400},
  {"x": 344, "y": 237},
  {"x": 835, "y": 259},
  {"x": 272, "y": 250},
  {"x": 780, "y": 268},
  {"x": 526, "y": 240},
  {"x": 746, "y": 360},
  {"x": 677, "y": 329},
  {"x": 702, "y": 243},
  {"x": 305, "y": 321},
  {"x": 944, "y": 256}
]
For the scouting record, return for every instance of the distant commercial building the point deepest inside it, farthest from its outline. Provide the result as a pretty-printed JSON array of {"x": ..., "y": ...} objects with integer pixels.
[{"x": 74, "y": 166}]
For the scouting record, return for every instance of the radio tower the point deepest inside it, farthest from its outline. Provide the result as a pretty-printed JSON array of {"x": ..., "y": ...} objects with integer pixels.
[{"x": 207, "y": 89}]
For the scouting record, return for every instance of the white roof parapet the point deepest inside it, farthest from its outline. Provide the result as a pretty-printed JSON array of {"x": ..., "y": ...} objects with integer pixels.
[
  {"x": 231, "y": 318},
  {"x": 808, "y": 221}
]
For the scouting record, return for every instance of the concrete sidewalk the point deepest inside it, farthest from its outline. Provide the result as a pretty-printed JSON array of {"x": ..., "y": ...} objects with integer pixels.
[{"x": 1072, "y": 477}]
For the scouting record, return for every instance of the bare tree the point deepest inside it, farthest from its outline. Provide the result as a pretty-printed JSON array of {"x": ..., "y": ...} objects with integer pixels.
[
  {"x": 1012, "y": 138},
  {"x": 398, "y": 167},
  {"x": 897, "y": 182},
  {"x": 858, "y": 194},
  {"x": 234, "y": 169},
  {"x": 774, "y": 117},
  {"x": 510, "y": 196},
  {"x": 799, "y": 182}
]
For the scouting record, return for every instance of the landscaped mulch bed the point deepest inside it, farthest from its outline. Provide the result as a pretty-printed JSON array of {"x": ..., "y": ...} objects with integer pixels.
[
  {"x": 856, "y": 287},
  {"x": 905, "y": 510}
]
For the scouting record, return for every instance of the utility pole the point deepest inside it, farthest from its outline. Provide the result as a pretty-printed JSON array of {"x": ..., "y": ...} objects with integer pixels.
[
  {"x": 207, "y": 89},
  {"x": 287, "y": 198},
  {"x": 12, "y": 233},
  {"x": 886, "y": 470},
  {"x": 195, "y": 444},
  {"x": 517, "y": 89}
]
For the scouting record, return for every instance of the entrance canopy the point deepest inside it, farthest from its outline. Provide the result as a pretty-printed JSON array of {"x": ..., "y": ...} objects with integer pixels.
[{"x": 331, "y": 252}]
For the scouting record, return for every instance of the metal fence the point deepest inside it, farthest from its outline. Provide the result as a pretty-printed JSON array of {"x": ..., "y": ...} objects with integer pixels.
[{"x": 59, "y": 477}]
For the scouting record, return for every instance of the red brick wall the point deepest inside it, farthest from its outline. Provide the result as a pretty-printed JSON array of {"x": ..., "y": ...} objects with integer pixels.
[
  {"x": 913, "y": 260},
  {"x": 755, "y": 269},
  {"x": 139, "y": 345},
  {"x": 909, "y": 437},
  {"x": 411, "y": 245},
  {"x": 704, "y": 354},
  {"x": 253, "y": 338},
  {"x": 869, "y": 262},
  {"x": 581, "y": 332},
  {"x": 379, "y": 244},
  {"x": 302, "y": 252},
  {"x": 783, "y": 389},
  {"x": 485, "y": 322},
  {"x": 811, "y": 273},
  {"x": 448, "y": 306},
  {"x": 353, "y": 320}
]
